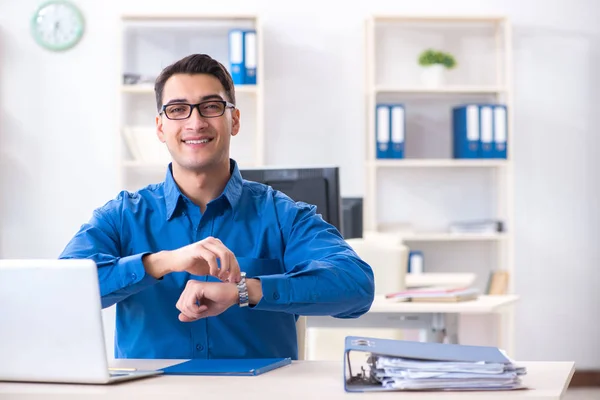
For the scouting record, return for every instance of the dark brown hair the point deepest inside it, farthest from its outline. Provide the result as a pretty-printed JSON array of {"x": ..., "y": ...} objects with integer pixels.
[{"x": 195, "y": 64}]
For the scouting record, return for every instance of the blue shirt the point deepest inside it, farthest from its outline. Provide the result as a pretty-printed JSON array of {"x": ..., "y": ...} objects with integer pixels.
[{"x": 304, "y": 265}]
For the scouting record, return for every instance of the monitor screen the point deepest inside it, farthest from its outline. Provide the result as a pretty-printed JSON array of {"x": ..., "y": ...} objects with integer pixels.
[{"x": 318, "y": 186}]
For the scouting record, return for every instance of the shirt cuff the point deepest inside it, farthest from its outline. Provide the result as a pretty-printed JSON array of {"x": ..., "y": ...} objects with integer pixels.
[
  {"x": 132, "y": 272},
  {"x": 276, "y": 293}
]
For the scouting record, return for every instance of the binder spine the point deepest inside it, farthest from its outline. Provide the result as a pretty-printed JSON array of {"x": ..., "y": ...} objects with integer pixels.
[
  {"x": 236, "y": 56},
  {"x": 397, "y": 130},
  {"x": 250, "y": 57},
  {"x": 382, "y": 131}
]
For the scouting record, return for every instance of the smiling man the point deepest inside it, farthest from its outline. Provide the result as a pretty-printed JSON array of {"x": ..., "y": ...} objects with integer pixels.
[{"x": 206, "y": 264}]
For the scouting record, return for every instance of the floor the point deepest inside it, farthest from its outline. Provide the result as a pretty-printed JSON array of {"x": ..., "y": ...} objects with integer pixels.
[{"x": 583, "y": 394}]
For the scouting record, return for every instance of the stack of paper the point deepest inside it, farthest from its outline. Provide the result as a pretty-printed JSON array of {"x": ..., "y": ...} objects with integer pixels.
[
  {"x": 435, "y": 295},
  {"x": 406, "y": 365},
  {"x": 407, "y": 374}
]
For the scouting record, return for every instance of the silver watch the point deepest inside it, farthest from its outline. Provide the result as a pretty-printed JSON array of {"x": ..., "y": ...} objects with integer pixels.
[{"x": 243, "y": 291}]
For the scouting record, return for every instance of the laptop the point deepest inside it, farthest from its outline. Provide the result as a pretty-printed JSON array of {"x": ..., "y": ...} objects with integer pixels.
[{"x": 51, "y": 324}]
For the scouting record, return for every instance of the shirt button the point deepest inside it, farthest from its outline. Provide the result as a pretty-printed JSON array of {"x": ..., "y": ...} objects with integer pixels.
[
  {"x": 276, "y": 296},
  {"x": 133, "y": 276},
  {"x": 199, "y": 347}
]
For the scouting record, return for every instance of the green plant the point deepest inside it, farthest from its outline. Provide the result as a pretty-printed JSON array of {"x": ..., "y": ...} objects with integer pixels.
[{"x": 431, "y": 57}]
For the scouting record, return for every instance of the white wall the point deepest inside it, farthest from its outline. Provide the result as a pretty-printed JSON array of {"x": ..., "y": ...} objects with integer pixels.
[{"x": 58, "y": 116}]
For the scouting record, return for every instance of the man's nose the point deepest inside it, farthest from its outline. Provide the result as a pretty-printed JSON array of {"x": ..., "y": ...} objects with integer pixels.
[{"x": 197, "y": 120}]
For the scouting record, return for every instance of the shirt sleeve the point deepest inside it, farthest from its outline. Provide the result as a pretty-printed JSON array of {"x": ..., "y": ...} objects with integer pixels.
[
  {"x": 324, "y": 276},
  {"x": 99, "y": 240}
]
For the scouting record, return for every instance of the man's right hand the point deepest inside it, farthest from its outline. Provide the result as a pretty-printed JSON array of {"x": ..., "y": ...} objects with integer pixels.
[{"x": 198, "y": 258}]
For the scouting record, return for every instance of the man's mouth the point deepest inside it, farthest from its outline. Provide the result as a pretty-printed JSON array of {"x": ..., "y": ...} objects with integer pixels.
[{"x": 197, "y": 141}]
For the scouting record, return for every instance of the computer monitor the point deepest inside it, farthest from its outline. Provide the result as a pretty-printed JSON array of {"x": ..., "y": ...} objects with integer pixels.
[
  {"x": 319, "y": 186},
  {"x": 352, "y": 217}
]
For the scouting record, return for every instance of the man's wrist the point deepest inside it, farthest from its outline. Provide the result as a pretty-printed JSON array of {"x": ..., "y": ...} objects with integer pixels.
[
  {"x": 254, "y": 291},
  {"x": 156, "y": 264}
]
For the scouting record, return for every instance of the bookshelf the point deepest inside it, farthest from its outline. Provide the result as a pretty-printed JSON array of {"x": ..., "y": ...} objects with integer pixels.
[
  {"x": 428, "y": 189},
  {"x": 150, "y": 42}
]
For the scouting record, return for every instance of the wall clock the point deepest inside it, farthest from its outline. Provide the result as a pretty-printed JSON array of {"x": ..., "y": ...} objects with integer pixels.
[{"x": 57, "y": 25}]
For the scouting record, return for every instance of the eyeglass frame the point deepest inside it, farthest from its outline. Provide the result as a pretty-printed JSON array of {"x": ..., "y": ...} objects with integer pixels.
[{"x": 197, "y": 105}]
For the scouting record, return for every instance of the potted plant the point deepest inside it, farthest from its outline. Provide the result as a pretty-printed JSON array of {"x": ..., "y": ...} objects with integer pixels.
[{"x": 434, "y": 64}]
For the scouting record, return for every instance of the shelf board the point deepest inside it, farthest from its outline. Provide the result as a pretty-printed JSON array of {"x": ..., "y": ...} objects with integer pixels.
[
  {"x": 186, "y": 17},
  {"x": 441, "y": 90},
  {"x": 149, "y": 88},
  {"x": 453, "y": 237},
  {"x": 439, "y": 163},
  {"x": 440, "y": 18}
]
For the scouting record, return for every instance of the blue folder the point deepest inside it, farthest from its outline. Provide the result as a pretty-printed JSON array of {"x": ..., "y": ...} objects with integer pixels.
[{"x": 229, "y": 366}]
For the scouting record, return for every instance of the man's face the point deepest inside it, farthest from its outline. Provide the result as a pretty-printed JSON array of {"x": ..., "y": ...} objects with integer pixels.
[{"x": 197, "y": 143}]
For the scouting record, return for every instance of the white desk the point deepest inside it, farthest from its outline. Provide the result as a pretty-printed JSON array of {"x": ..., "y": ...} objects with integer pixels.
[
  {"x": 438, "y": 320},
  {"x": 301, "y": 380}
]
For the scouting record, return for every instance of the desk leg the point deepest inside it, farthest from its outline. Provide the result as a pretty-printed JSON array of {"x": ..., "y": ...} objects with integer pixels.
[
  {"x": 452, "y": 328},
  {"x": 437, "y": 331},
  {"x": 444, "y": 329}
]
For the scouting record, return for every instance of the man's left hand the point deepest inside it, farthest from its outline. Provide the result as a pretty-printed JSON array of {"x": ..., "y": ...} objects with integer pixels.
[{"x": 205, "y": 299}]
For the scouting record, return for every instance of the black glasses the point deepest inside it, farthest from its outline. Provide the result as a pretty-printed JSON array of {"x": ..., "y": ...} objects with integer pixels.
[{"x": 207, "y": 109}]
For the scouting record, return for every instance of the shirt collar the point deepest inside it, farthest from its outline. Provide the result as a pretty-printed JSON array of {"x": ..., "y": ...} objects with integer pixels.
[{"x": 232, "y": 192}]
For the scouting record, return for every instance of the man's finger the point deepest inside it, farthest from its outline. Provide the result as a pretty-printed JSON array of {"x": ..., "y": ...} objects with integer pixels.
[
  {"x": 210, "y": 258},
  {"x": 222, "y": 252}
]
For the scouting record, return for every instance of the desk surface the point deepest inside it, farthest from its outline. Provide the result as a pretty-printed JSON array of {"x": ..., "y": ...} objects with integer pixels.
[
  {"x": 481, "y": 305},
  {"x": 300, "y": 380}
]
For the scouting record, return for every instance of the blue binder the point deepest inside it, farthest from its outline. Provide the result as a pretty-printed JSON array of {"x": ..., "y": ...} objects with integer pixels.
[
  {"x": 382, "y": 131},
  {"x": 356, "y": 381},
  {"x": 250, "y": 57},
  {"x": 231, "y": 367},
  {"x": 236, "y": 56},
  {"x": 466, "y": 131},
  {"x": 397, "y": 130},
  {"x": 486, "y": 131},
  {"x": 500, "y": 131}
]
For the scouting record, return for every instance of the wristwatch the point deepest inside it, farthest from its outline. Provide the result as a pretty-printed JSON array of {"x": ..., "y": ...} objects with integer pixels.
[{"x": 243, "y": 291}]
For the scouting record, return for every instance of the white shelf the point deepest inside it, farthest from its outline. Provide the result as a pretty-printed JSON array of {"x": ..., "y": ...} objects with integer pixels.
[
  {"x": 475, "y": 187},
  {"x": 441, "y": 90},
  {"x": 438, "y": 163},
  {"x": 191, "y": 16},
  {"x": 439, "y": 18},
  {"x": 454, "y": 237},
  {"x": 148, "y": 88}
]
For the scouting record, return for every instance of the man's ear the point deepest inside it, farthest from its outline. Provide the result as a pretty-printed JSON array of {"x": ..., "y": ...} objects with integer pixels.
[
  {"x": 159, "y": 129},
  {"x": 235, "y": 122}
]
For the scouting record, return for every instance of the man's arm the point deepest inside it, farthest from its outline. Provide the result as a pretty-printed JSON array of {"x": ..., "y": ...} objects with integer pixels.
[
  {"x": 324, "y": 275},
  {"x": 99, "y": 240}
]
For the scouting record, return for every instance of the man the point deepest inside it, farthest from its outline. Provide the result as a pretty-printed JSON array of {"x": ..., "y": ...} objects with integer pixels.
[{"x": 172, "y": 254}]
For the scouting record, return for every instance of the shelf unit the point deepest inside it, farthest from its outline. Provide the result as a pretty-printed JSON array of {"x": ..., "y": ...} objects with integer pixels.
[
  {"x": 428, "y": 189},
  {"x": 150, "y": 42}
]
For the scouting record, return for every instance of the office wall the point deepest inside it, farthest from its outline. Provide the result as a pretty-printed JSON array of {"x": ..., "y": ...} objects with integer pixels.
[{"x": 57, "y": 121}]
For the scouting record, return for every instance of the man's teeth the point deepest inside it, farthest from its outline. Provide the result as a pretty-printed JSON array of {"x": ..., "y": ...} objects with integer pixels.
[{"x": 197, "y": 141}]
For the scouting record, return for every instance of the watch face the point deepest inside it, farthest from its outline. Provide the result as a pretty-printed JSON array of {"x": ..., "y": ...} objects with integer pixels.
[{"x": 57, "y": 25}]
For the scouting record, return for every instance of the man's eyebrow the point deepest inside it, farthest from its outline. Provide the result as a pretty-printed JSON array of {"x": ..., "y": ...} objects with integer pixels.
[
  {"x": 176, "y": 101},
  {"x": 211, "y": 97},
  {"x": 204, "y": 98}
]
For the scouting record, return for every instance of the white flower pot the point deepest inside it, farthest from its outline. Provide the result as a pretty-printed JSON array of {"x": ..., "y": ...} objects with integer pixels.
[{"x": 433, "y": 76}]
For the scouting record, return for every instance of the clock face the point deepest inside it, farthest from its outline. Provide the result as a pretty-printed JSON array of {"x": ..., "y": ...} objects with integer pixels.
[{"x": 57, "y": 25}]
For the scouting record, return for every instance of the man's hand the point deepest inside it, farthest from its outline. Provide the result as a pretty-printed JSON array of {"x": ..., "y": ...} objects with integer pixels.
[
  {"x": 198, "y": 258},
  {"x": 205, "y": 299}
]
